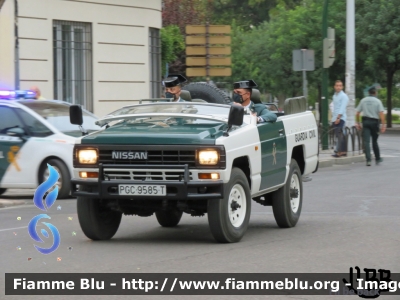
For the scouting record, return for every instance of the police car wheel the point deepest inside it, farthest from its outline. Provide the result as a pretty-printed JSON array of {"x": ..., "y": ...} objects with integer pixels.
[
  {"x": 98, "y": 222},
  {"x": 169, "y": 218},
  {"x": 287, "y": 201},
  {"x": 2, "y": 191},
  {"x": 63, "y": 180},
  {"x": 229, "y": 217}
]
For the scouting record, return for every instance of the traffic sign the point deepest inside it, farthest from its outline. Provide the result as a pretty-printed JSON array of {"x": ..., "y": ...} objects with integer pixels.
[
  {"x": 303, "y": 60},
  {"x": 201, "y": 50},
  {"x": 212, "y": 29},
  {"x": 200, "y": 72},
  {"x": 201, "y": 40},
  {"x": 212, "y": 61}
]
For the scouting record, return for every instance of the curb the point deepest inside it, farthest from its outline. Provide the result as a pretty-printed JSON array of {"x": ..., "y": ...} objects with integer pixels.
[
  {"x": 341, "y": 161},
  {"x": 391, "y": 131},
  {"x": 325, "y": 163},
  {"x": 9, "y": 203}
]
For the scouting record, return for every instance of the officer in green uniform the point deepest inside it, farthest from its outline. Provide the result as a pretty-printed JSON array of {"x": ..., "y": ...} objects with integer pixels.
[
  {"x": 372, "y": 110},
  {"x": 242, "y": 96},
  {"x": 173, "y": 87}
]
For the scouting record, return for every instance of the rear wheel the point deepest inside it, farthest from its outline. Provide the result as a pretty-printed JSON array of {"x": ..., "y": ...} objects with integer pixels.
[
  {"x": 2, "y": 191},
  {"x": 98, "y": 222},
  {"x": 207, "y": 92},
  {"x": 169, "y": 218},
  {"x": 229, "y": 217},
  {"x": 288, "y": 200}
]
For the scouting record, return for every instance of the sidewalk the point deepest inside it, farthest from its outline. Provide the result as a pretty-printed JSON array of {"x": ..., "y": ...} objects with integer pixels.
[
  {"x": 326, "y": 159},
  {"x": 394, "y": 130},
  {"x": 14, "y": 197}
]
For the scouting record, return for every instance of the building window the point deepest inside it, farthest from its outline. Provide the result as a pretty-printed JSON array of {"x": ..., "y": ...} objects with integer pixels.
[
  {"x": 155, "y": 62},
  {"x": 72, "y": 43}
]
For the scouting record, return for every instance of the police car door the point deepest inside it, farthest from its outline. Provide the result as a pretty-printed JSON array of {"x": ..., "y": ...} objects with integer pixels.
[
  {"x": 31, "y": 154},
  {"x": 9, "y": 145}
]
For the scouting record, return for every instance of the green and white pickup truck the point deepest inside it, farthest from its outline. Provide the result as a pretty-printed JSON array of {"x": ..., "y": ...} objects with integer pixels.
[{"x": 191, "y": 157}]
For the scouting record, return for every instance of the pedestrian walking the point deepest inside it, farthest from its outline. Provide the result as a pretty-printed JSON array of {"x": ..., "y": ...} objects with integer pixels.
[
  {"x": 339, "y": 117},
  {"x": 372, "y": 110}
]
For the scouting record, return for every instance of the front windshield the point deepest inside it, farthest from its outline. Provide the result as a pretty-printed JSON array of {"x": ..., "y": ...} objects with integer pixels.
[
  {"x": 171, "y": 112},
  {"x": 57, "y": 114}
]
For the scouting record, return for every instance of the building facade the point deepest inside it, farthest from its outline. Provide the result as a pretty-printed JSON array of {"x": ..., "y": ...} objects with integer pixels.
[{"x": 102, "y": 54}]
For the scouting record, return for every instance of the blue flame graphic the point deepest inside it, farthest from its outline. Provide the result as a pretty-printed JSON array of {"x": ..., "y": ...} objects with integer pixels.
[
  {"x": 49, "y": 201},
  {"x": 44, "y": 187},
  {"x": 32, "y": 232}
]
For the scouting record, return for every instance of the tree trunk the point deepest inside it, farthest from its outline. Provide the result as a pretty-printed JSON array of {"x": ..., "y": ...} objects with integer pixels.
[
  {"x": 319, "y": 100},
  {"x": 389, "y": 76}
]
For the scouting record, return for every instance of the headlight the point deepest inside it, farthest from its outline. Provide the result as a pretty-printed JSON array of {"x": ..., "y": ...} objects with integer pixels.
[
  {"x": 87, "y": 156},
  {"x": 208, "y": 157}
]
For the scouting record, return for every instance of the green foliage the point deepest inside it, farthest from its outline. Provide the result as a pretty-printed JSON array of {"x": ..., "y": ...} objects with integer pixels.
[
  {"x": 395, "y": 117},
  {"x": 382, "y": 95},
  {"x": 378, "y": 25},
  {"x": 172, "y": 44},
  {"x": 246, "y": 13},
  {"x": 265, "y": 52}
]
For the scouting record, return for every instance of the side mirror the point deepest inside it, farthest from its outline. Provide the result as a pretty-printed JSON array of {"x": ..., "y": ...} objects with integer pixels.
[
  {"x": 235, "y": 118},
  {"x": 236, "y": 115},
  {"x": 75, "y": 115},
  {"x": 18, "y": 132}
]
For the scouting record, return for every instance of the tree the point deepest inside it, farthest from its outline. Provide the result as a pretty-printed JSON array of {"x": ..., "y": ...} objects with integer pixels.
[
  {"x": 184, "y": 12},
  {"x": 181, "y": 13},
  {"x": 266, "y": 51},
  {"x": 378, "y": 23},
  {"x": 172, "y": 45},
  {"x": 246, "y": 13}
]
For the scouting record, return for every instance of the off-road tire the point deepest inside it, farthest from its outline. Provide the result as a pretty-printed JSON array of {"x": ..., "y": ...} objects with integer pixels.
[
  {"x": 228, "y": 225},
  {"x": 207, "y": 92},
  {"x": 97, "y": 221},
  {"x": 286, "y": 209},
  {"x": 169, "y": 218}
]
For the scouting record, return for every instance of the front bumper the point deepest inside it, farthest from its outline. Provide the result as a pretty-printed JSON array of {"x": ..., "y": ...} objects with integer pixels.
[{"x": 183, "y": 189}]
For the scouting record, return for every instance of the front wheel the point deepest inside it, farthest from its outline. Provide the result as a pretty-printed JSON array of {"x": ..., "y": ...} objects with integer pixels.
[
  {"x": 229, "y": 217},
  {"x": 98, "y": 222},
  {"x": 287, "y": 201},
  {"x": 169, "y": 218}
]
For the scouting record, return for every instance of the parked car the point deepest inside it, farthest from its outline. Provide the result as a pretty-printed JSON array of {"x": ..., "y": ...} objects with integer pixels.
[{"x": 34, "y": 133}]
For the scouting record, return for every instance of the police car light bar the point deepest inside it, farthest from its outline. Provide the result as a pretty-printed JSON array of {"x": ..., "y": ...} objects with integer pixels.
[{"x": 9, "y": 95}]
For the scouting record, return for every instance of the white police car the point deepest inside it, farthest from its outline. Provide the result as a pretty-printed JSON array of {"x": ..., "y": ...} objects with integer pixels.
[{"x": 34, "y": 133}]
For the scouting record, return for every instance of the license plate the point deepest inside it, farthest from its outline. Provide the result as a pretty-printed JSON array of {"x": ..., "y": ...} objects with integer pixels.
[{"x": 142, "y": 190}]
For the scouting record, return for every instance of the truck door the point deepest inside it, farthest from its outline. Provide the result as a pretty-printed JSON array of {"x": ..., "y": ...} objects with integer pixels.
[{"x": 273, "y": 154}]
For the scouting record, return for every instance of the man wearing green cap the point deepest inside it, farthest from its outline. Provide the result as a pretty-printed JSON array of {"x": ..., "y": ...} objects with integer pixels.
[{"x": 242, "y": 96}]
